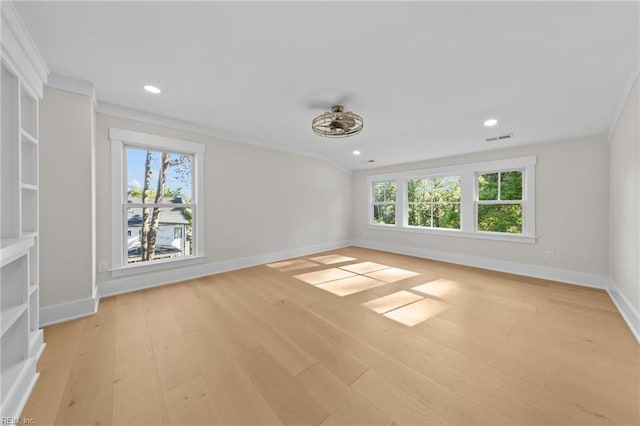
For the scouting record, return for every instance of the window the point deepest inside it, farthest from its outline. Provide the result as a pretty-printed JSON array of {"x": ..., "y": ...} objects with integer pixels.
[
  {"x": 500, "y": 202},
  {"x": 384, "y": 202},
  {"x": 434, "y": 202},
  {"x": 156, "y": 196},
  {"x": 491, "y": 200}
]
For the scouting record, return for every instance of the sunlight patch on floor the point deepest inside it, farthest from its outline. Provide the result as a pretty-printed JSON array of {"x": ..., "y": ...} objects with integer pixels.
[
  {"x": 330, "y": 259},
  {"x": 438, "y": 288},
  {"x": 416, "y": 312},
  {"x": 392, "y": 301},
  {"x": 292, "y": 265},
  {"x": 347, "y": 286},
  {"x": 318, "y": 277},
  {"x": 364, "y": 267},
  {"x": 391, "y": 275}
]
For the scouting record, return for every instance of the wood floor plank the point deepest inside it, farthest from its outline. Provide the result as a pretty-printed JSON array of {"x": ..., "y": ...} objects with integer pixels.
[
  {"x": 346, "y": 405},
  {"x": 63, "y": 344},
  {"x": 237, "y": 397},
  {"x": 137, "y": 394},
  {"x": 339, "y": 362},
  {"x": 395, "y": 403},
  {"x": 286, "y": 396},
  {"x": 44, "y": 402},
  {"x": 191, "y": 404}
]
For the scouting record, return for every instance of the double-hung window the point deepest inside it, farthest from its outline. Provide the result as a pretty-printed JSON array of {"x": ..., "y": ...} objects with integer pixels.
[
  {"x": 384, "y": 202},
  {"x": 434, "y": 202},
  {"x": 490, "y": 199},
  {"x": 157, "y": 210},
  {"x": 500, "y": 202}
]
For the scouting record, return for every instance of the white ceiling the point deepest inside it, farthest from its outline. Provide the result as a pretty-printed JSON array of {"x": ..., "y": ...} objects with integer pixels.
[{"x": 424, "y": 76}]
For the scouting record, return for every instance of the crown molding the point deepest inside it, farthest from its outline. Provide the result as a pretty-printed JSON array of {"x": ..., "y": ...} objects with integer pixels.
[{"x": 20, "y": 52}]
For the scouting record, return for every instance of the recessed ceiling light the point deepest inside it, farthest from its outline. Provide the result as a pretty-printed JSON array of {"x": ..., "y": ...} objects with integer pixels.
[
  {"x": 356, "y": 152},
  {"x": 490, "y": 122},
  {"x": 152, "y": 89}
]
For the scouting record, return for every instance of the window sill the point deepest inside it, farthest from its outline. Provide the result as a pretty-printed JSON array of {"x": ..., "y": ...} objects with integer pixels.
[
  {"x": 496, "y": 236},
  {"x": 158, "y": 265}
]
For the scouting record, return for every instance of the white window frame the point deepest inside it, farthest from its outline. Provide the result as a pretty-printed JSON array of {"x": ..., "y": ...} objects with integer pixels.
[
  {"x": 120, "y": 139},
  {"x": 373, "y": 202},
  {"x": 405, "y": 184},
  {"x": 468, "y": 200}
]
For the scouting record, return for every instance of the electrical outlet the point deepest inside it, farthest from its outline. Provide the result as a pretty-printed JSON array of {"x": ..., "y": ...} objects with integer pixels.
[
  {"x": 103, "y": 267},
  {"x": 550, "y": 255}
]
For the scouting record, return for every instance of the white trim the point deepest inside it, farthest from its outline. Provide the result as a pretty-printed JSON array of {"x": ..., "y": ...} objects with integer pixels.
[
  {"x": 50, "y": 315},
  {"x": 19, "y": 50},
  {"x": 155, "y": 279},
  {"x": 156, "y": 265},
  {"x": 562, "y": 275},
  {"x": 187, "y": 126},
  {"x": 626, "y": 309},
  {"x": 70, "y": 84},
  {"x": 18, "y": 393},
  {"x": 457, "y": 233},
  {"x": 147, "y": 140},
  {"x": 457, "y": 169}
]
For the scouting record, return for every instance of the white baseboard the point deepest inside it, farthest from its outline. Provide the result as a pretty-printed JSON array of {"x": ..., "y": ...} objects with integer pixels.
[
  {"x": 535, "y": 271},
  {"x": 142, "y": 281},
  {"x": 626, "y": 309},
  {"x": 67, "y": 311}
]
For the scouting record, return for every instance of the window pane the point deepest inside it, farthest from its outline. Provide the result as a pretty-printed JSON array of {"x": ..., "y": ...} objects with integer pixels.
[
  {"x": 446, "y": 189},
  {"x": 511, "y": 185},
  {"x": 384, "y": 213},
  {"x": 446, "y": 215},
  {"x": 166, "y": 231},
  {"x": 384, "y": 191},
  {"x": 500, "y": 218},
  {"x": 419, "y": 214},
  {"x": 417, "y": 190},
  {"x": 488, "y": 186},
  {"x": 168, "y": 172}
]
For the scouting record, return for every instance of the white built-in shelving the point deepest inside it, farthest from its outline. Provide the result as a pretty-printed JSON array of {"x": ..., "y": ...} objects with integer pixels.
[{"x": 21, "y": 339}]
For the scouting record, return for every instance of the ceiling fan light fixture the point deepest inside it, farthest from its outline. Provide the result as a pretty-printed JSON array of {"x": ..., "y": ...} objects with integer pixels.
[{"x": 338, "y": 123}]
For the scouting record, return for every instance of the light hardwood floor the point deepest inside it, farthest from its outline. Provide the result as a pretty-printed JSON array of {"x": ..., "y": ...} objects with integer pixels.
[{"x": 262, "y": 346}]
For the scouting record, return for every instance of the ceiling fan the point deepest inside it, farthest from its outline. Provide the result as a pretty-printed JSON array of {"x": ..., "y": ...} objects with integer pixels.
[{"x": 337, "y": 123}]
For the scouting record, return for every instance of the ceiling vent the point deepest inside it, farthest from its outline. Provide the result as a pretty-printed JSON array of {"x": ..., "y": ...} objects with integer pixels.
[{"x": 500, "y": 138}]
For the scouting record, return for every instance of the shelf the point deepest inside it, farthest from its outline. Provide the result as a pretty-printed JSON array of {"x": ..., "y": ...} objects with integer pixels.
[
  {"x": 14, "y": 277},
  {"x": 10, "y": 375},
  {"x": 14, "y": 355},
  {"x": 29, "y": 210},
  {"x": 29, "y": 114},
  {"x": 27, "y": 137},
  {"x": 29, "y": 160},
  {"x": 28, "y": 186},
  {"x": 12, "y": 248},
  {"x": 11, "y": 315}
]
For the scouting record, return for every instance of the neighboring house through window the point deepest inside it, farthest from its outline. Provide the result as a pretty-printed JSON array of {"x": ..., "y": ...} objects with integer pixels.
[{"x": 157, "y": 201}]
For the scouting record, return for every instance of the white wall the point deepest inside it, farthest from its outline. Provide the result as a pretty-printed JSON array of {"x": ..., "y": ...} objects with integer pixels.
[
  {"x": 571, "y": 215},
  {"x": 66, "y": 191},
  {"x": 624, "y": 177},
  {"x": 259, "y": 201}
]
